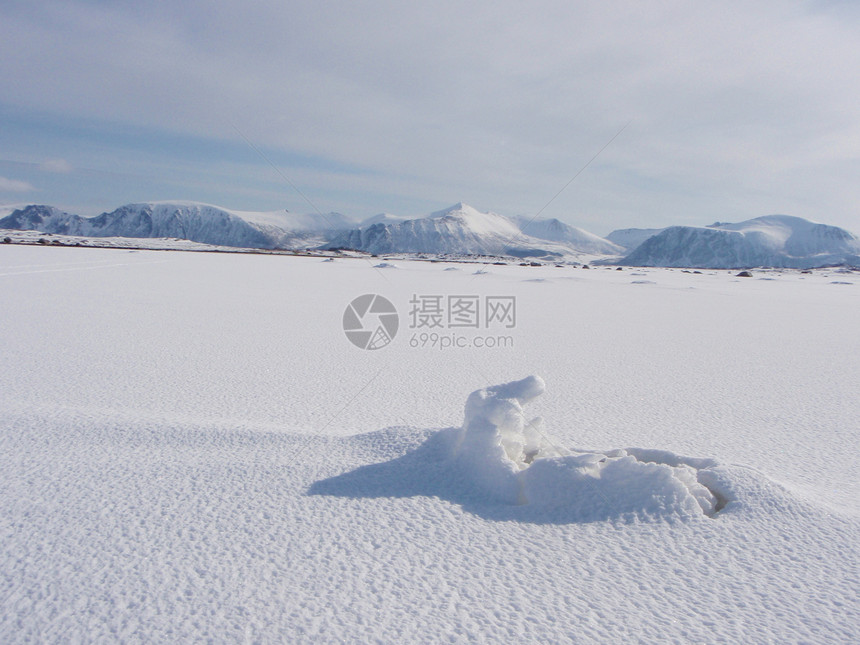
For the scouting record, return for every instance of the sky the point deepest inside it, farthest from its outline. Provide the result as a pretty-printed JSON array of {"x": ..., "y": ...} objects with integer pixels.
[{"x": 642, "y": 114}]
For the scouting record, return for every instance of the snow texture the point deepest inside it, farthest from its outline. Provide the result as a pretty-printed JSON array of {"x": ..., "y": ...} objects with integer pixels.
[{"x": 192, "y": 450}]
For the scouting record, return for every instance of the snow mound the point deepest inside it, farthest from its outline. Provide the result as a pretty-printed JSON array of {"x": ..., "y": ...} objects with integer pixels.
[
  {"x": 503, "y": 466},
  {"x": 512, "y": 460}
]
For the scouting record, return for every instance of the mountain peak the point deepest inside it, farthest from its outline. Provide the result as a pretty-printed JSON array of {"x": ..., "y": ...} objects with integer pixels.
[
  {"x": 557, "y": 231},
  {"x": 458, "y": 209}
]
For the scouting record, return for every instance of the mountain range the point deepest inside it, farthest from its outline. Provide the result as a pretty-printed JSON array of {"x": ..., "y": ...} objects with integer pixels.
[
  {"x": 186, "y": 220},
  {"x": 458, "y": 230},
  {"x": 772, "y": 240},
  {"x": 464, "y": 230}
]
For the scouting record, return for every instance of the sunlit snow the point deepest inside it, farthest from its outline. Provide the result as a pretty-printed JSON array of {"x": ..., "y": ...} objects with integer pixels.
[{"x": 192, "y": 449}]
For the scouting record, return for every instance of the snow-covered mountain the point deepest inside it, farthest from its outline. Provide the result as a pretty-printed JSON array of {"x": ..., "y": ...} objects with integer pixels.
[
  {"x": 630, "y": 238},
  {"x": 8, "y": 209},
  {"x": 383, "y": 218},
  {"x": 772, "y": 240},
  {"x": 458, "y": 230},
  {"x": 464, "y": 230},
  {"x": 187, "y": 220},
  {"x": 46, "y": 219},
  {"x": 557, "y": 231}
]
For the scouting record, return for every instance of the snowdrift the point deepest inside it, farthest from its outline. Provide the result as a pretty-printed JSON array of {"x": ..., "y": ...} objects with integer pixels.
[{"x": 501, "y": 465}]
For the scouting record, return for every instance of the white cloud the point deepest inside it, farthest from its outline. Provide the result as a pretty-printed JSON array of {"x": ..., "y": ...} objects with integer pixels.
[
  {"x": 14, "y": 186},
  {"x": 738, "y": 108},
  {"x": 60, "y": 166}
]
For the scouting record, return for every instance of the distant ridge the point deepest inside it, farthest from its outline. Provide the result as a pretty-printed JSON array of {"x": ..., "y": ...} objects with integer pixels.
[
  {"x": 186, "y": 220},
  {"x": 464, "y": 230},
  {"x": 459, "y": 230}
]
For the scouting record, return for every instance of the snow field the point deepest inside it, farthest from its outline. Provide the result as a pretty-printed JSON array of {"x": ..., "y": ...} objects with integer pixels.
[{"x": 193, "y": 450}]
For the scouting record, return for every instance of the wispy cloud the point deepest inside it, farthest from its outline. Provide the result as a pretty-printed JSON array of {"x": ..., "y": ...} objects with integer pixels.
[
  {"x": 738, "y": 108},
  {"x": 14, "y": 186},
  {"x": 60, "y": 166}
]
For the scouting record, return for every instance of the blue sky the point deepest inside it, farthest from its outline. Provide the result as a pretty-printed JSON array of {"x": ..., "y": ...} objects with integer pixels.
[{"x": 732, "y": 111}]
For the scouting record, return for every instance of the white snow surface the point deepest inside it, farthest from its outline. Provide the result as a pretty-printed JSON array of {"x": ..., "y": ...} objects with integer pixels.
[{"x": 192, "y": 450}]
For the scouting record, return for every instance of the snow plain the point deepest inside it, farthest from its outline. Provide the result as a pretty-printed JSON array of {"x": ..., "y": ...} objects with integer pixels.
[{"x": 192, "y": 450}]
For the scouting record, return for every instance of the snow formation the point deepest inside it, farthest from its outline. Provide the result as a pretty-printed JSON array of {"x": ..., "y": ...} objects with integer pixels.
[{"x": 513, "y": 460}]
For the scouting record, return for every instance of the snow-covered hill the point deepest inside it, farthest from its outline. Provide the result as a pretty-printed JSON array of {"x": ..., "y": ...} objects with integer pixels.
[
  {"x": 383, "y": 218},
  {"x": 630, "y": 238},
  {"x": 8, "y": 209},
  {"x": 45, "y": 219},
  {"x": 772, "y": 240},
  {"x": 577, "y": 238},
  {"x": 458, "y": 230},
  {"x": 464, "y": 230},
  {"x": 187, "y": 220}
]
